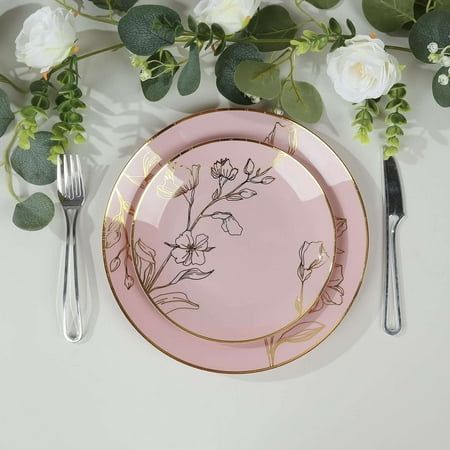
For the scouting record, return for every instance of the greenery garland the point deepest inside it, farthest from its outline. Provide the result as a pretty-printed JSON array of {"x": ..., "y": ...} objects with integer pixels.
[{"x": 248, "y": 68}]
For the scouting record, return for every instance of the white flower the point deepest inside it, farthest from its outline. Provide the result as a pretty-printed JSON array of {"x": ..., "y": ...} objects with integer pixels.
[
  {"x": 362, "y": 69},
  {"x": 46, "y": 38},
  {"x": 432, "y": 47},
  {"x": 443, "y": 79},
  {"x": 445, "y": 61},
  {"x": 231, "y": 15}
]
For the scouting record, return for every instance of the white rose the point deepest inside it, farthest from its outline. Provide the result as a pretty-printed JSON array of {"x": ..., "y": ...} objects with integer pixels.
[
  {"x": 232, "y": 15},
  {"x": 46, "y": 38},
  {"x": 362, "y": 69}
]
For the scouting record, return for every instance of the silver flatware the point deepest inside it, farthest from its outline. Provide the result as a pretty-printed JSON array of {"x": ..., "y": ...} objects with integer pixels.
[
  {"x": 71, "y": 194},
  {"x": 394, "y": 213}
]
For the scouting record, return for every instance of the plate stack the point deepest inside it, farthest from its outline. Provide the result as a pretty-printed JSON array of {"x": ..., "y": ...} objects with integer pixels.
[{"x": 235, "y": 241}]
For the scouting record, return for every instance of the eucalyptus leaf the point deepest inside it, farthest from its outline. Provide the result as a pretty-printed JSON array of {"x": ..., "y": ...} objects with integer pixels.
[
  {"x": 323, "y": 4},
  {"x": 34, "y": 213},
  {"x": 33, "y": 164},
  {"x": 190, "y": 75},
  {"x": 6, "y": 115},
  {"x": 431, "y": 27},
  {"x": 272, "y": 22},
  {"x": 259, "y": 79},
  {"x": 147, "y": 28},
  {"x": 157, "y": 87},
  {"x": 115, "y": 5},
  {"x": 226, "y": 66},
  {"x": 301, "y": 101},
  {"x": 388, "y": 15},
  {"x": 441, "y": 93}
]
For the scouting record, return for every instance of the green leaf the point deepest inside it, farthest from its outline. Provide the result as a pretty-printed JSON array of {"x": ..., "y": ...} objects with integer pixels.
[
  {"x": 226, "y": 66},
  {"x": 441, "y": 93},
  {"x": 6, "y": 115},
  {"x": 192, "y": 24},
  {"x": 33, "y": 164},
  {"x": 189, "y": 79},
  {"x": 217, "y": 31},
  {"x": 115, "y": 5},
  {"x": 272, "y": 22},
  {"x": 301, "y": 101},
  {"x": 34, "y": 213},
  {"x": 323, "y": 4},
  {"x": 145, "y": 29},
  {"x": 431, "y": 27},
  {"x": 259, "y": 79},
  {"x": 156, "y": 88},
  {"x": 388, "y": 15}
]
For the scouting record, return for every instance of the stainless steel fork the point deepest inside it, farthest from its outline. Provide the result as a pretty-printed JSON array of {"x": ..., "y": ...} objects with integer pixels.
[{"x": 71, "y": 194}]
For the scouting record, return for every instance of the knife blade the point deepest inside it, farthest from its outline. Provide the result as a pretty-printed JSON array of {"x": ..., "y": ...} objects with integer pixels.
[{"x": 394, "y": 213}]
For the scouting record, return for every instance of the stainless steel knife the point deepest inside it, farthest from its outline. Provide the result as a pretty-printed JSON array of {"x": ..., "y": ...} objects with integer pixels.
[{"x": 394, "y": 214}]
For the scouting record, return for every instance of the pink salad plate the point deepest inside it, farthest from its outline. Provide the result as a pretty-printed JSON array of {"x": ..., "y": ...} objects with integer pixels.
[
  {"x": 334, "y": 302},
  {"x": 233, "y": 240}
]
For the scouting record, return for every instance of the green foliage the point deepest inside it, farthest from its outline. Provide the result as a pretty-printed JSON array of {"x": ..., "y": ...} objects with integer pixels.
[
  {"x": 146, "y": 29},
  {"x": 33, "y": 164},
  {"x": 364, "y": 120},
  {"x": 441, "y": 93},
  {"x": 323, "y": 4},
  {"x": 114, "y": 5},
  {"x": 301, "y": 101},
  {"x": 431, "y": 27},
  {"x": 189, "y": 79},
  {"x": 162, "y": 66},
  {"x": 226, "y": 66},
  {"x": 34, "y": 213},
  {"x": 397, "y": 105},
  {"x": 6, "y": 115},
  {"x": 388, "y": 15},
  {"x": 272, "y": 22},
  {"x": 259, "y": 79},
  {"x": 68, "y": 104}
]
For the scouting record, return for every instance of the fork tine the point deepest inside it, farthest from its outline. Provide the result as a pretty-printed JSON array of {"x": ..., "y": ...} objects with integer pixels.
[
  {"x": 59, "y": 174},
  {"x": 75, "y": 176},
  {"x": 70, "y": 177},
  {"x": 65, "y": 173},
  {"x": 80, "y": 176}
]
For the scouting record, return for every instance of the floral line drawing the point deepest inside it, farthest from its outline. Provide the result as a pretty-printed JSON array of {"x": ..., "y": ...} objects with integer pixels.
[
  {"x": 333, "y": 295},
  {"x": 190, "y": 249},
  {"x": 115, "y": 229},
  {"x": 292, "y": 137},
  {"x": 312, "y": 256}
]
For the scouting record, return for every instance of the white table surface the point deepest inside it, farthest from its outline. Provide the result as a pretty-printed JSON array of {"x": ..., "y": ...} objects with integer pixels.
[{"x": 360, "y": 389}]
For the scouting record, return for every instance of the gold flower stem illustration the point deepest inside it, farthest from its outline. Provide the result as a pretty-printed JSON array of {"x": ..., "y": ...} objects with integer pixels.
[{"x": 299, "y": 302}]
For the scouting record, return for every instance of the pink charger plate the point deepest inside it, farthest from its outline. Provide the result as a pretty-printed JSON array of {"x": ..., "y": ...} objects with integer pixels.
[
  {"x": 351, "y": 254},
  {"x": 233, "y": 240}
]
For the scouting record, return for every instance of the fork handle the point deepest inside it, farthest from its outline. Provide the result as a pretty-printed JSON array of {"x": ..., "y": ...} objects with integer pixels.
[
  {"x": 392, "y": 313},
  {"x": 71, "y": 314}
]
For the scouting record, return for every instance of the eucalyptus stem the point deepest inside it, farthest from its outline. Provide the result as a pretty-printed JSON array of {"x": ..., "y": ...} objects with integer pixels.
[
  {"x": 397, "y": 47},
  {"x": 5, "y": 79},
  {"x": 7, "y": 164},
  {"x": 84, "y": 56},
  {"x": 76, "y": 12}
]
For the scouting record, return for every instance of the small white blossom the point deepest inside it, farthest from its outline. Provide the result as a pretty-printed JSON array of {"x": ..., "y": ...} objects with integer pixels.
[
  {"x": 434, "y": 57},
  {"x": 253, "y": 98},
  {"x": 443, "y": 79},
  {"x": 432, "y": 47},
  {"x": 445, "y": 61},
  {"x": 278, "y": 111},
  {"x": 138, "y": 61},
  {"x": 145, "y": 74}
]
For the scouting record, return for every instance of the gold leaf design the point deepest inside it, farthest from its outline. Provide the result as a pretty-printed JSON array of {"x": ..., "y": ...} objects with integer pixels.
[
  {"x": 333, "y": 294},
  {"x": 301, "y": 332},
  {"x": 172, "y": 301},
  {"x": 170, "y": 185}
]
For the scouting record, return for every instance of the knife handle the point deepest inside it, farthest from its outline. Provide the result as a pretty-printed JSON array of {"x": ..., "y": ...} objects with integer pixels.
[{"x": 392, "y": 313}]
